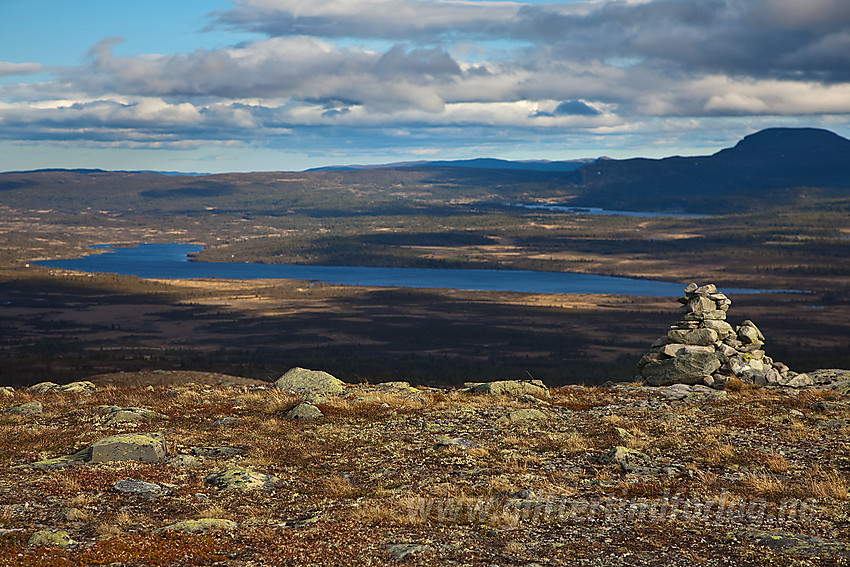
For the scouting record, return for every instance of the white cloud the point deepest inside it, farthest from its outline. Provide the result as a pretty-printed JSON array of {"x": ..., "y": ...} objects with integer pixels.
[
  {"x": 7, "y": 68},
  {"x": 423, "y": 67}
]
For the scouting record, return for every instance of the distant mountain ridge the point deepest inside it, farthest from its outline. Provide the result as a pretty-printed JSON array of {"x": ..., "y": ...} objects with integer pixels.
[
  {"x": 777, "y": 166},
  {"x": 474, "y": 163},
  {"x": 772, "y": 163}
]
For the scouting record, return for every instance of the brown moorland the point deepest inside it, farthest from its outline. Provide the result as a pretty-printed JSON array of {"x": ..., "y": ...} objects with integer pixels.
[{"x": 423, "y": 476}]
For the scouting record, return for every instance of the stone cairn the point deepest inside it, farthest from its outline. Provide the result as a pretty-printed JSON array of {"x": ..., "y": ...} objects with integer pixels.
[{"x": 702, "y": 348}]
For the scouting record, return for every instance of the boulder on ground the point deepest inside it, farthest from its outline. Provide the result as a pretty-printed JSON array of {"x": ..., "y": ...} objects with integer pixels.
[
  {"x": 304, "y": 410},
  {"x": 534, "y": 388},
  {"x": 303, "y": 381},
  {"x": 29, "y": 408},
  {"x": 83, "y": 386},
  {"x": 42, "y": 387},
  {"x": 144, "y": 447}
]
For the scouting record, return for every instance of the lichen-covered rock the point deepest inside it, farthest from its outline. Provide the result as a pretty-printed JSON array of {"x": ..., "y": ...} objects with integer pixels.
[
  {"x": 302, "y": 381},
  {"x": 304, "y": 411},
  {"x": 80, "y": 387},
  {"x": 241, "y": 478},
  {"x": 29, "y": 408},
  {"x": 50, "y": 538},
  {"x": 144, "y": 447},
  {"x": 202, "y": 525},
  {"x": 534, "y": 388},
  {"x": 42, "y": 387}
]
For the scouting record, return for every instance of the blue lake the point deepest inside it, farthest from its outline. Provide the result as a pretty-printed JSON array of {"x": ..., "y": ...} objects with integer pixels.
[
  {"x": 171, "y": 261},
  {"x": 598, "y": 211}
]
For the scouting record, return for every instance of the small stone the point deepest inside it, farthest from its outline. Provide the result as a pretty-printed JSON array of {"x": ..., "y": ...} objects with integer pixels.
[
  {"x": 701, "y": 304},
  {"x": 716, "y": 315},
  {"x": 772, "y": 376},
  {"x": 749, "y": 335},
  {"x": 799, "y": 381},
  {"x": 672, "y": 350},
  {"x": 722, "y": 328},
  {"x": 692, "y": 287},
  {"x": 401, "y": 551},
  {"x": 226, "y": 421},
  {"x": 137, "y": 487}
]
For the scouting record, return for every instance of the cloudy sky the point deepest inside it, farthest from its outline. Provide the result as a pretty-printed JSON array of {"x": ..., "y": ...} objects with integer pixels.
[{"x": 218, "y": 85}]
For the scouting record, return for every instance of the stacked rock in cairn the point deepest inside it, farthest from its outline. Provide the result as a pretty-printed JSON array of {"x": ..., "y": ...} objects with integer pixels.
[{"x": 703, "y": 348}]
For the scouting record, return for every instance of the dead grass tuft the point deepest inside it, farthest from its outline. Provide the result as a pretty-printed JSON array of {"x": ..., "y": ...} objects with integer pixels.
[
  {"x": 776, "y": 463},
  {"x": 214, "y": 511},
  {"x": 338, "y": 486},
  {"x": 826, "y": 484},
  {"x": 765, "y": 485},
  {"x": 408, "y": 511}
]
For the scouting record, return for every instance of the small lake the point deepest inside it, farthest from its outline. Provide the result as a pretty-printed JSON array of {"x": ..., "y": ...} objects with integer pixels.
[
  {"x": 598, "y": 211},
  {"x": 171, "y": 261}
]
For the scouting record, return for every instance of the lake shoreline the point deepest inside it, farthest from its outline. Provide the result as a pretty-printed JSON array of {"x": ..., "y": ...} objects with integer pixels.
[{"x": 174, "y": 261}]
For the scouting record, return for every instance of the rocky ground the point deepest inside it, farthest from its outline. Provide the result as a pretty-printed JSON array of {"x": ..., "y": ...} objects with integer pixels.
[{"x": 197, "y": 469}]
